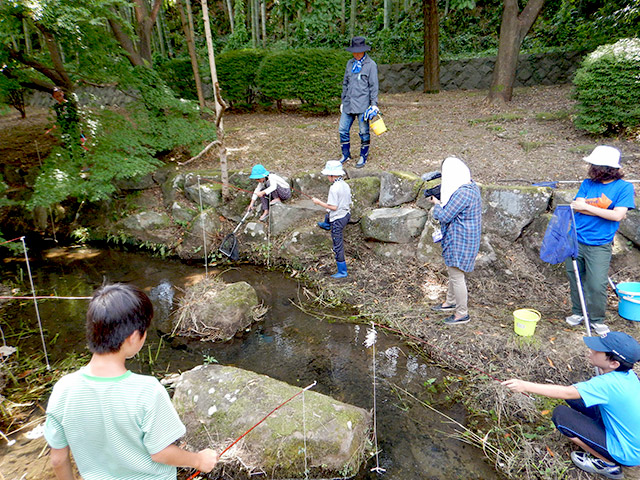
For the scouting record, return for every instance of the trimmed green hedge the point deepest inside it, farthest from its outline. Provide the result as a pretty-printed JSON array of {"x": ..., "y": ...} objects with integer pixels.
[
  {"x": 608, "y": 88},
  {"x": 237, "y": 76},
  {"x": 314, "y": 76}
]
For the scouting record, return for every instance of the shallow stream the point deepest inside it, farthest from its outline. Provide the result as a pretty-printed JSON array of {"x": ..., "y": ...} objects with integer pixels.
[{"x": 288, "y": 345}]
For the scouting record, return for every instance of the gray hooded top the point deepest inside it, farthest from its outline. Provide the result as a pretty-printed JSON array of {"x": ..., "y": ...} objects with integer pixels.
[{"x": 360, "y": 90}]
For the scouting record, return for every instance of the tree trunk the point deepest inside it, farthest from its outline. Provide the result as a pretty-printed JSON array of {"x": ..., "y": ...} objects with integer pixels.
[
  {"x": 220, "y": 105},
  {"x": 513, "y": 28},
  {"x": 145, "y": 21},
  {"x": 263, "y": 14},
  {"x": 385, "y": 14},
  {"x": 27, "y": 37},
  {"x": 254, "y": 23},
  {"x": 431, "y": 54},
  {"x": 343, "y": 16},
  {"x": 231, "y": 19},
  {"x": 352, "y": 18},
  {"x": 188, "y": 33}
]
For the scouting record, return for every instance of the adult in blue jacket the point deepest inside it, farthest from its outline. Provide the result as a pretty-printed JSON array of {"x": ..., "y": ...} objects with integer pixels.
[{"x": 359, "y": 99}]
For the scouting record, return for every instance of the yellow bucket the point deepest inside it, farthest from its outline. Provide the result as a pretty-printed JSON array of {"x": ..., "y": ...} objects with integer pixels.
[
  {"x": 378, "y": 125},
  {"x": 525, "y": 320}
]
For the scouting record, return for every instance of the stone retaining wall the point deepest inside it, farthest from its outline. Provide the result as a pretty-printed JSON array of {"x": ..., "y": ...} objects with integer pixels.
[{"x": 475, "y": 73}]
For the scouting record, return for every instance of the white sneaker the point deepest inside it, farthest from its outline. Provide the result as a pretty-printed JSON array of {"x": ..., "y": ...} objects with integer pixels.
[
  {"x": 600, "y": 328},
  {"x": 574, "y": 320}
]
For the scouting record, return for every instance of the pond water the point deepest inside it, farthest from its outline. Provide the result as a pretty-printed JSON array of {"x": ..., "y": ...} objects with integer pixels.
[{"x": 287, "y": 344}]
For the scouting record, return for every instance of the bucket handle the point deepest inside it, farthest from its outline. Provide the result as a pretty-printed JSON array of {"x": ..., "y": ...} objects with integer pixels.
[
  {"x": 631, "y": 299},
  {"x": 632, "y": 294}
]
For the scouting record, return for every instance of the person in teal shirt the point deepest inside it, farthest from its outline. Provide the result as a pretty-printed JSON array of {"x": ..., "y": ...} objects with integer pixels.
[{"x": 602, "y": 415}]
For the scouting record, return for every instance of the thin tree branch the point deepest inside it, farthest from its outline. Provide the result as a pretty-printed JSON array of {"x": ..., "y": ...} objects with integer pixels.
[{"x": 204, "y": 151}]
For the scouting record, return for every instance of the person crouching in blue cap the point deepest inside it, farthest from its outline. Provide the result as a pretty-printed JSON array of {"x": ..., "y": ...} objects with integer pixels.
[
  {"x": 602, "y": 416},
  {"x": 271, "y": 189},
  {"x": 338, "y": 207}
]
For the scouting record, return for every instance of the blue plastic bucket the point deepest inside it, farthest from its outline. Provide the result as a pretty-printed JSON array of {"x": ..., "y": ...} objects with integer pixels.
[{"x": 629, "y": 305}]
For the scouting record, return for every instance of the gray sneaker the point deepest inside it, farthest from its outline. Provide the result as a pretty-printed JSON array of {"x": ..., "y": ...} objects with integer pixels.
[
  {"x": 600, "y": 328},
  {"x": 574, "y": 320},
  {"x": 589, "y": 463}
]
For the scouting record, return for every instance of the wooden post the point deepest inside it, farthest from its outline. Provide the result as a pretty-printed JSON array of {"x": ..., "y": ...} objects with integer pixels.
[{"x": 431, "y": 54}]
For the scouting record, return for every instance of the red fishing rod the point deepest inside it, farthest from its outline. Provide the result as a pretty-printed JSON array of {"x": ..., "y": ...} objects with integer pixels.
[{"x": 263, "y": 419}]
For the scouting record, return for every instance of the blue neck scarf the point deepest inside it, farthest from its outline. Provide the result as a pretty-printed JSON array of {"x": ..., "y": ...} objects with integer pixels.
[{"x": 357, "y": 64}]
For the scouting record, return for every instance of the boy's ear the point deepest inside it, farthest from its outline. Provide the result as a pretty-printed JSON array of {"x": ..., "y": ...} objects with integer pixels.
[{"x": 614, "y": 364}]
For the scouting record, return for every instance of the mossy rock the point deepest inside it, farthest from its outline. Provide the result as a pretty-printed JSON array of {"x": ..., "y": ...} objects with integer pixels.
[{"x": 219, "y": 403}]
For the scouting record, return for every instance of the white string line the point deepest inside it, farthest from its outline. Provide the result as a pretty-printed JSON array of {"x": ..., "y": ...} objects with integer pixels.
[
  {"x": 304, "y": 436},
  {"x": 204, "y": 234},
  {"x": 35, "y": 303}
]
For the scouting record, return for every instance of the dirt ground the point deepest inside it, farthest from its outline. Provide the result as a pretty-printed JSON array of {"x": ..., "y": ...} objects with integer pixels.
[{"x": 528, "y": 140}]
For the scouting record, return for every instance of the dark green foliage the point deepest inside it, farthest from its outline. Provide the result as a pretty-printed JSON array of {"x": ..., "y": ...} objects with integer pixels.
[
  {"x": 178, "y": 75},
  {"x": 314, "y": 76},
  {"x": 237, "y": 76},
  {"x": 122, "y": 146},
  {"x": 607, "y": 89},
  {"x": 240, "y": 37}
]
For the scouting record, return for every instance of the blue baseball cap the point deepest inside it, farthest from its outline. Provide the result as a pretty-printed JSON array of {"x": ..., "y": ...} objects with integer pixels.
[{"x": 624, "y": 346}]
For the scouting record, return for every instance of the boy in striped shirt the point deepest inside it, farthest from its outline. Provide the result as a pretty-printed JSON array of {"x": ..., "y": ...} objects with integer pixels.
[{"x": 115, "y": 423}]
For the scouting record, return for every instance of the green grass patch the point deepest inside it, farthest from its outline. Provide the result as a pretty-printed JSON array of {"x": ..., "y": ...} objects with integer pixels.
[
  {"x": 500, "y": 117},
  {"x": 583, "y": 149},
  {"x": 553, "y": 116},
  {"x": 530, "y": 146}
]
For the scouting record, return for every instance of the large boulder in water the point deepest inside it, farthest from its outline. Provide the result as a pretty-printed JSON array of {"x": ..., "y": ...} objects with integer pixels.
[
  {"x": 219, "y": 403},
  {"x": 214, "y": 310}
]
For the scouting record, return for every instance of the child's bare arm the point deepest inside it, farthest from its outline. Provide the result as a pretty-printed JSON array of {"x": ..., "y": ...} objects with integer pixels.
[
  {"x": 61, "y": 463},
  {"x": 565, "y": 392},
  {"x": 204, "y": 460},
  {"x": 317, "y": 201}
]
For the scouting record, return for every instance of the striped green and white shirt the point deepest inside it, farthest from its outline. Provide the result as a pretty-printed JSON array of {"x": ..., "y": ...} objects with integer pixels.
[{"x": 113, "y": 425}]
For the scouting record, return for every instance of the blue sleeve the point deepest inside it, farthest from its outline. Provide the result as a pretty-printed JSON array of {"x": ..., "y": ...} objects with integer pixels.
[
  {"x": 626, "y": 197},
  {"x": 595, "y": 391}
]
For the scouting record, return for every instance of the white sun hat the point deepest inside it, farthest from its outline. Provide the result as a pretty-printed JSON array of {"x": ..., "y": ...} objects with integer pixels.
[
  {"x": 604, "y": 156},
  {"x": 333, "y": 167}
]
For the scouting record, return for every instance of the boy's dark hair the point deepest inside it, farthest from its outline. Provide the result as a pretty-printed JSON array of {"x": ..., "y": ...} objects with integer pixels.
[
  {"x": 601, "y": 174},
  {"x": 115, "y": 312},
  {"x": 624, "y": 365}
]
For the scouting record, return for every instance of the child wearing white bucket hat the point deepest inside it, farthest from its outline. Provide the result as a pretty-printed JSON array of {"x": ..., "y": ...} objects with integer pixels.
[
  {"x": 338, "y": 207},
  {"x": 600, "y": 204}
]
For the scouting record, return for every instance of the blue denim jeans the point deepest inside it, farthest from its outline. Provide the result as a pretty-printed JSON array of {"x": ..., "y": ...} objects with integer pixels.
[{"x": 346, "y": 120}]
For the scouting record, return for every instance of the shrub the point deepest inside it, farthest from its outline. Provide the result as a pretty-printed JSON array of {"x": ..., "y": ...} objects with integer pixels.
[
  {"x": 314, "y": 76},
  {"x": 237, "y": 76},
  {"x": 607, "y": 87},
  {"x": 178, "y": 75}
]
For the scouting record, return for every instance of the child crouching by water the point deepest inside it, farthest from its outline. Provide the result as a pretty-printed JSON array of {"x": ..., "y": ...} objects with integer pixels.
[
  {"x": 271, "y": 189},
  {"x": 338, "y": 207},
  {"x": 115, "y": 423},
  {"x": 602, "y": 416}
]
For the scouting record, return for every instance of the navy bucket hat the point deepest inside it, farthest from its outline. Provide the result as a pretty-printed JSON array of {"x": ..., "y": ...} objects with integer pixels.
[
  {"x": 358, "y": 44},
  {"x": 624, "y": 346}
]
